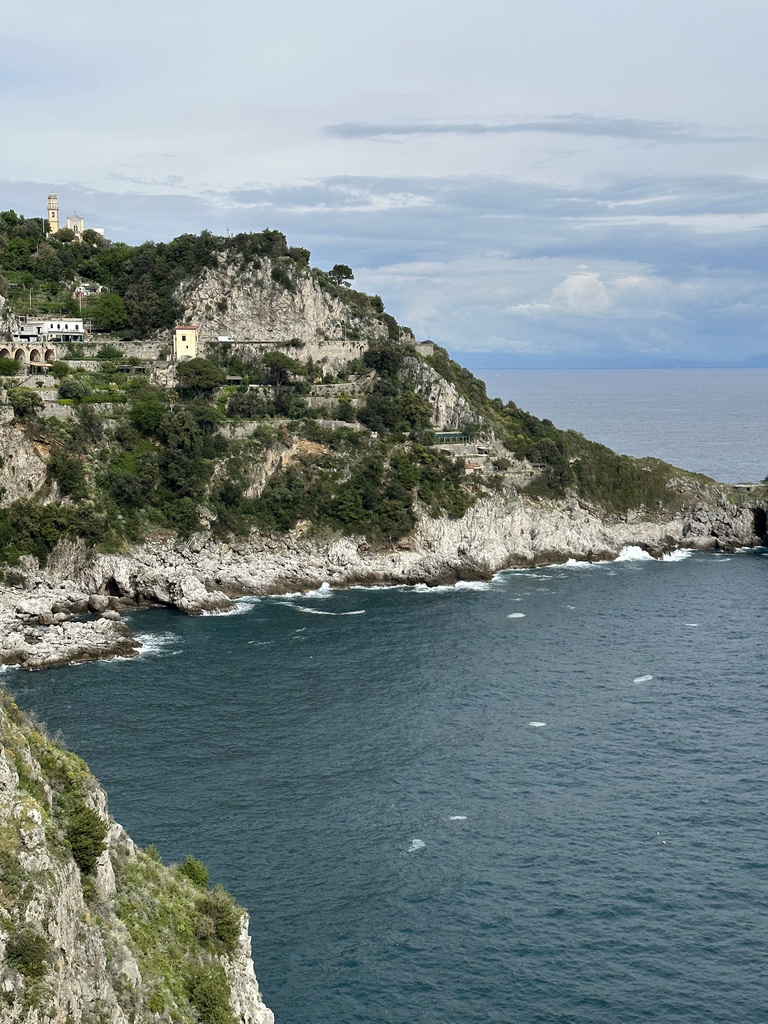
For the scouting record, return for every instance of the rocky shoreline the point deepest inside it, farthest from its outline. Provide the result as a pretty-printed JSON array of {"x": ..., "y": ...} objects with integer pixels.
[{"x": 72, "y": 611}]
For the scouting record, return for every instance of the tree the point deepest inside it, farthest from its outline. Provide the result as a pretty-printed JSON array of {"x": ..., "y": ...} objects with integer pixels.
[
  {"x": 200, "y": 375},
  {"x": 74, "y": 387},
  {"x": 280, "y": 368},
  {"x": 108, "y": 312},
  {"x": 341, "y": 274},
  {"x": 8, "y": 367},
  {"x": 85, "y": 834},
  {"x": 25, "y": 402},
  {"x": 60, "y": 369},
  {"x": 109, "y": 352}
]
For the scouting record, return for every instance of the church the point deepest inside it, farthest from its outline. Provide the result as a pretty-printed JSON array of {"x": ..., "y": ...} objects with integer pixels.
[{"x": 74, "y": 223}]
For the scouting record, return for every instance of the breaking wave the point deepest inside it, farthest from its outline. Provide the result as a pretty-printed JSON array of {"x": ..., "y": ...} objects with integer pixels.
[
  {"x": 157, "y": 644},
  {"x": 319, "y": 611}
]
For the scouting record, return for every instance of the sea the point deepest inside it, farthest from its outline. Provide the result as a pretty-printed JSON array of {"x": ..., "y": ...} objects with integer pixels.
[{"x": 540, "y": 798}]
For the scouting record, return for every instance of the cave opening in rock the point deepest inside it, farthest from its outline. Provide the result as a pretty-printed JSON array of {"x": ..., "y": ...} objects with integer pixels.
[{"x": 761, "y": 523}]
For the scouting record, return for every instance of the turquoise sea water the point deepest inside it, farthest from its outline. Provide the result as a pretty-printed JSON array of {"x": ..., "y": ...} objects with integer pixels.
[{"x": 540, "y": 799}]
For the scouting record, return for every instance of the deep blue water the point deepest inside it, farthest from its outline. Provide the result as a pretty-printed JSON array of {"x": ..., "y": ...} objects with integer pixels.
[{"x": 363, "y": 770}]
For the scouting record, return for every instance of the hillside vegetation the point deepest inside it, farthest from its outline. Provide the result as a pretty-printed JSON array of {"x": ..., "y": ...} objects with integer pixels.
[
  {"x": 262, "y": 451},
  {"x": 92, "y": 928}
]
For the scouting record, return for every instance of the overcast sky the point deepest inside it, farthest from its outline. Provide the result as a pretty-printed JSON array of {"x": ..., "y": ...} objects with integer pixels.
[{"x": 551, "y": 183}]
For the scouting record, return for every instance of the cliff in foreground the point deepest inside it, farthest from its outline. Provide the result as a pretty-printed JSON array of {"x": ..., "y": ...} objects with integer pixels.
[{"x": 93, "y": 929}]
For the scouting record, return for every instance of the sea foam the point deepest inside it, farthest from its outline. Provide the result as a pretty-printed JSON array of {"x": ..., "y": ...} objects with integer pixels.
[
  {"x": 319, "y": 611},
  {"x": 157, "y": 644}
]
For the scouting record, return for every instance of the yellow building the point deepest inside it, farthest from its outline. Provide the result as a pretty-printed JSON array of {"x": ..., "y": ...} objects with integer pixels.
[
  {"x": 75, "y": 223},
  {"x": 185, "y": 341},
  {"x": 53, "y": 214}
]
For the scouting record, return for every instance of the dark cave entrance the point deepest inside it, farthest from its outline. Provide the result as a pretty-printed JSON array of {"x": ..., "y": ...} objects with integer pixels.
[{"x": 761, "y": 523}]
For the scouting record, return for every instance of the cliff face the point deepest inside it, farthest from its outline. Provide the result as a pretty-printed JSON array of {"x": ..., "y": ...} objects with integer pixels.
[
  {"x": 201, "y": 574},
  {"x": 91, "y": 928},
  {"x": 23, "y": 462},
  {"x": 450, "y": 410},
  {"x": 254, "y": 309}
]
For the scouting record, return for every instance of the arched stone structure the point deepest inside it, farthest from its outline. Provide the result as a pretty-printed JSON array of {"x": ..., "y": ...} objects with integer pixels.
[
  {"x": 5, "y": 353},
  {"x": 36, "y": 358}
]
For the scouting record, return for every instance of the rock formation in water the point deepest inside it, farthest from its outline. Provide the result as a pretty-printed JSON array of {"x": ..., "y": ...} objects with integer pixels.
[{"x": 93, "y": 929}]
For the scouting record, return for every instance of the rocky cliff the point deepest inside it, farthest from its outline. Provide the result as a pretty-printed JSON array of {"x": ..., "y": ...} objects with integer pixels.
[
  {"x": 92, "y": 929},
  {"x": 276, "y": 304},
  {"x": 202, "y": 575}
]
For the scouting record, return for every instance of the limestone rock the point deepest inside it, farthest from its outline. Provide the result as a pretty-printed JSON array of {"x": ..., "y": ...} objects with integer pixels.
[{"x": 94, "y": 959}]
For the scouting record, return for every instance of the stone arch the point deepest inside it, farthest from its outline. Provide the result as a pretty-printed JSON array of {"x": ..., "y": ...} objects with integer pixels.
[
  {"x": 35, "y": 360},
  {"x": 50, "y": 355},
  {"x": 20, "y": 355},
  {"x": 5, "y": 353}
]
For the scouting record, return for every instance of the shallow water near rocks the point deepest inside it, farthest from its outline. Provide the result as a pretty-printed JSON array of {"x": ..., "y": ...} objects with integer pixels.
[{"x": 437, "y": 812}]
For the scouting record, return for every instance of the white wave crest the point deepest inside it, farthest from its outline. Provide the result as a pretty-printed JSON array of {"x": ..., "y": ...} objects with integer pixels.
[
  {"x": 457, "y": 817},
  {"x": 449, "y": 588},
  {"x": 416, "y": 844},
  {"x": 516, "y": 615},
  {"x": 576, "y": 563},
  {"x": 537, "y": 725},
  {"x": 323, "y": 591},
  {"x": 240, "y": 606},
  {"x": 632, "y": 553},
  {"x": 319, "y": 611},
  {"x": 157, "y": 644},
  {"x": 677, "y": 556},
  {"x": 642, "y": 679}
]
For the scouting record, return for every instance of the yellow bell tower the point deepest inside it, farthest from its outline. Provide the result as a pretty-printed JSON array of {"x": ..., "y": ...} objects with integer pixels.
[{"x": 53, "y": 214}]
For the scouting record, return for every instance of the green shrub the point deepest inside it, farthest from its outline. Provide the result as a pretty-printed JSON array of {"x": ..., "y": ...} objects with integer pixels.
[
  {"x": 220, "y": 918},
  {"x": 109, "y": 352},
  {"x": 195, "y": 871},
  {"x": 8, "y": 367},
  {"x": 25, "y": 402},
  {"x": 67, "y": 471},
  {"x": 86, "y": 834},
  {"x": 74, "y": 387},
  {"x": 27, "y": 951},
  {"x": 209, "y": 993}
]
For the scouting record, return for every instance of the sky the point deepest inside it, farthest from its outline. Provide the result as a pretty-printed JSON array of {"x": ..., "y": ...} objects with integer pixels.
[{"x": 556, "y": 183}]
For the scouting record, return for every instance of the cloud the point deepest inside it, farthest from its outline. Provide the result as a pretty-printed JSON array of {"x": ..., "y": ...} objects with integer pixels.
[
  {"x": 616, "y": 266},
  {"x": 560, "y": 124}
]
